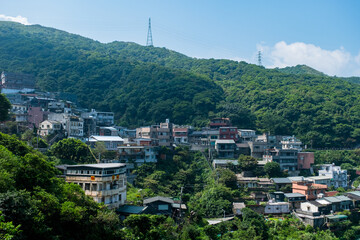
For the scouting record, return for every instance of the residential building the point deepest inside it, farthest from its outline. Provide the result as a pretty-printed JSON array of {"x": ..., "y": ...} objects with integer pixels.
[
  {"x": 101, "y": 118},
  {"x": 48, "y": 127},
  {"x": 111, "y": 142},
  {"x": 294, "y": 199},
  {"x": 216, "y": 123},
  {"x": 291, "y": 143},
  {"x": 305, "y": 160},
  {"x": 225, "y": 148},
  {"x": 277, "y": 208},
  {"x": 246, "y": 135},
  {"x": 310, "y": 190},
  {"x": 163, "y": 206},
  {"x": 74, "y": 127},
  {"x": 180, "y": 135},
  {"x": 287, "y": 158},
  {"x": 137, "y": 154},
  {"x": 108, "y": 131},
  {"x": 105, "y": 183},
  {"x": 36, "y": 115},
  {"x": 325, "y": 180},
  {"x": 339, "y": 178},
  {"x": 282, "y": 184},
  {"x": 17, "y": 81},
  {"x": 228, "y": 133},
  {"x": 254, "y": 183}
]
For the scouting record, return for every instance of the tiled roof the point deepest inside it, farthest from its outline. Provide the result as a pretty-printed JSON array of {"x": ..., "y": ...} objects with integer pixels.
[{"x": 158, "y": 198}]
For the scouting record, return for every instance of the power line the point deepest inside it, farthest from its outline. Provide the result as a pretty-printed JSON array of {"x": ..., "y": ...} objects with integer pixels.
[{"x": 149, "y": 41}]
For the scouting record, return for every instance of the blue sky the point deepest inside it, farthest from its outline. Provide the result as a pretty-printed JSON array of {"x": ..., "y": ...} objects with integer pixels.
[{"x": 324, "y": 34}]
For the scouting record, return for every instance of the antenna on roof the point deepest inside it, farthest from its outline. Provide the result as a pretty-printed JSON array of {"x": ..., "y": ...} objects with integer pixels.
[{"x": 149, "y": 41}]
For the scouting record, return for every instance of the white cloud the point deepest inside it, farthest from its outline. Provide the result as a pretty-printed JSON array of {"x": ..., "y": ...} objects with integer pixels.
[
  {"x": 332, "y": 62},
  {"x": 19, "y": 19}
]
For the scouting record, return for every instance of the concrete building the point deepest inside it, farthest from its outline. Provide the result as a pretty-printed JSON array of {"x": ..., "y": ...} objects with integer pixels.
[
  {"x": 339, "y": 178},
  {"x": 180, "y": 135},
  {"x": 246, "y": 135},
  {"x": 111, "y": 142},
  {"x": 228, "y": 133},
  {"x": 287, "y": 158},
  {"x": 17, "y": 81},
  {"x": 48, "y": 127},
  {"x": 277, "y": 208},
  {"x": 225, "y": 148},
  {"x": 216, "y": 123},
  {"x": 320, "y": 180},
  {"x": 101, "y": 118},
  {"x": 105, "y": 183},
  {"x": 305, "y": 160},
  {"x": 310, "y": 190}
]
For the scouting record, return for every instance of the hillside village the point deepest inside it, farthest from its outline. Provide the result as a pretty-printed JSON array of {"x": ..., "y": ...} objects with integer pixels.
[{"x": 315, "y": 194}]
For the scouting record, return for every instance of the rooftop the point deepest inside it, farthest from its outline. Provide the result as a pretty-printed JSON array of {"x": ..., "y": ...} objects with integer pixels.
[
  {"x": 99, "y": 165},
  {"x": 281, "y": 180},
  {"x": 158, "y": 198},
  {"x": 105, "y": 138},
  {"x": 291, "y": 195},
  {"x": 228, "y": 141}
]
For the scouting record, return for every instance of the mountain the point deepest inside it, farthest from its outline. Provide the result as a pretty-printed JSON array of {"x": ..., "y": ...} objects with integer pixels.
[
  {"x": 301, "y": 69},
  {"x": 144, "y": 85}
]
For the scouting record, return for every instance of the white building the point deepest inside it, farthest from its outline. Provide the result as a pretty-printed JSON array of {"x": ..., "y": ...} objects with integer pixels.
[
  {"x": 339, "y": 178},
  {"x": 277, "y": 208},
  {"x": 291, "y": 143},
  {"x": 105, "y": 183},
  {"x": 48, "y": 127},
  {"x": 111, "y": 142}
]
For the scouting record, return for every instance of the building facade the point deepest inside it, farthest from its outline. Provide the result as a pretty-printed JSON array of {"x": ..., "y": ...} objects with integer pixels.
[{"x": 105, "y": 183}]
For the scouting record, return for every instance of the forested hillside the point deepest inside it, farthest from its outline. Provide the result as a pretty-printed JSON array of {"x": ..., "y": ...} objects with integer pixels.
[{"x": 145, "y": 85}]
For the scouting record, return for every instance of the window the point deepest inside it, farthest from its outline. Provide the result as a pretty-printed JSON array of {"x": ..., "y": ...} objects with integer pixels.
[
  {"x": 87, "y": 186},
  {"x": 163, "y": 207}
]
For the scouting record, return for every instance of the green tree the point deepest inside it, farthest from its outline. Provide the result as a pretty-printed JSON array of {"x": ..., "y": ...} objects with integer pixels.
[
  {"x": 272, "y": 169},
  {"x": 247, "y": 163},
  {"x": 4, "y": 107},
  {"x": 72, "y": 150}
]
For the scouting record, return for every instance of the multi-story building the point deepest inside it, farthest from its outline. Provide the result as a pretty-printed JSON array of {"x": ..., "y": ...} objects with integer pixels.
[
  {"x": 48, "y": 127},
  {"x": 287, "y": 158},
  {"x": 180, "y": 135},
  {"x": 105, "y": 183},
  {"x": 247, "y": 135},
  {"x": 228, "y": 133},
  {"x": 339, "y": 178},
  {"x": 162, "y": 133},
  {"x": 108, "y": 131},
  {"x": 75, "y": 127},
  {"x": 310, "y": 190},
  {"x": 17, "y": 81},
  {"x": 305, "y": 160},
  {"x": 101, "y": 118},
  {"x": 137, "y": 154},
  {"x": 111, "y": 142},
  {"x": 216, "y": 123},
  {"x": 36, "y": 115},
  {"x": 291, "y": 143},
  {"x": 225, "y": 148}
]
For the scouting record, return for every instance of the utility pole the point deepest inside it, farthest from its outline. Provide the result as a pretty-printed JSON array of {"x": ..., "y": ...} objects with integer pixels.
[{"x": 149, "y": 41}]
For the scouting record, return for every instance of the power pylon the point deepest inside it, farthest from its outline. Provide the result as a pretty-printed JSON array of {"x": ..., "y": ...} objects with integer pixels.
[
  {"x": 259, "y": 58},
  {"x": 149, "y": 41}
]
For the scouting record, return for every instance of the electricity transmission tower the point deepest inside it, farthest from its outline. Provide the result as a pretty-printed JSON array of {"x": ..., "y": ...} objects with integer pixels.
[
  {"x": 259, "y": 58},
  {"x": 149, "y": 41}
]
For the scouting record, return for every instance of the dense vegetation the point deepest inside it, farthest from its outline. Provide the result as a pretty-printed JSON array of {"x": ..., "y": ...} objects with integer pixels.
[{"x": 145, "y": 85}]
